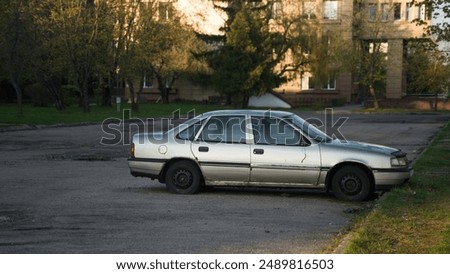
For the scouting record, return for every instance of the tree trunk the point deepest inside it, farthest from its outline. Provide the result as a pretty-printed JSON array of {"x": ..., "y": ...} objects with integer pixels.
[
  {"x": 108, "y": 84},
  {"x": 435, "y": 101},
  {"x": 134, "y": 104},
  {"x": 245, "y": 99},
  {"x": 83, "y": 85},
  {"x": 85, "y": 97},
  {"x": 163, "y": 90},
  {"x": 58, "y": 97},
  {"x": 19, "y": 93},
  {"x": 228, "y": 100},
  {"x": 372, "y": 92},
  {"x": 53, "y": 85}
]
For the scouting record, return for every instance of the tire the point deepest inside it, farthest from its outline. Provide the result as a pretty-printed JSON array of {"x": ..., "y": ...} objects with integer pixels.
[
  {"x": 183, "y": 177},
  {"x": 351, "y": 183}
]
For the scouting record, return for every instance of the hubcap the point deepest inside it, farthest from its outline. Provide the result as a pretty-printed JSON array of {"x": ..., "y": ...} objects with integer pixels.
[
  {"x": 183, "y": 178},
  {"x": 351, "y": 184}
]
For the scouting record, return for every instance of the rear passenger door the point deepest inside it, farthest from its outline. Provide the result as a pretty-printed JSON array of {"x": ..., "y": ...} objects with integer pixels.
[{"x": 222, "y": 151}]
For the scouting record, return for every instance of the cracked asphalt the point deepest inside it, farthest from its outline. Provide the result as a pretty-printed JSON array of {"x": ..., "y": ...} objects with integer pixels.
[{"x": 61, "y": 191}]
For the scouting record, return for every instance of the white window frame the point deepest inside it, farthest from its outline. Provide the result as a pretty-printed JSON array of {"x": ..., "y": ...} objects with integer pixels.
[
  {"x": 409, "y": 11},
  {"x": 330, "y": 85},
  {"x": 146, "y": 83},
  {"x": 330, "y": 9},
  {"x": 385, "y": 9},
  {"x": 309, "y": 9},
  {"x": 372, "y": 10}
]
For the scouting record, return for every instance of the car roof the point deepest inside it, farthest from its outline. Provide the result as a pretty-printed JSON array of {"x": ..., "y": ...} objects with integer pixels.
[{"x": 266, "y": 112}]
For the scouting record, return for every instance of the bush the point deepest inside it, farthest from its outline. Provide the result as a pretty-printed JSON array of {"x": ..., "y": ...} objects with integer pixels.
[
  {"x": 39, "y": 95},
  {"x": 71, "y": 95},
  {"x": 338, "y": 102}
]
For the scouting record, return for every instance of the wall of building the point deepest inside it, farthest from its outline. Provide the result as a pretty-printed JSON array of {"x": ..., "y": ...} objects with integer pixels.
[{"x": 394, "y": 29}]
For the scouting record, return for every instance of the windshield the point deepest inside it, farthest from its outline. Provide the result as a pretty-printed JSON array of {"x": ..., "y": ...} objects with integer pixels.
[{"x": 310, "y": 129}]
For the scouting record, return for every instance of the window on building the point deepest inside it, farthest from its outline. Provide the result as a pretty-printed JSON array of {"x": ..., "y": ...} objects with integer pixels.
[
  {"x": 309, "y": 9},
  {"x": 307, "y": 81},
  {"x": 385, "y": 12},
  {"x": 165, "y": 11},
  {"x": 424, "y": 12},
  {"x": 409, "y": 11},
  {"x": 330, "y": 9},
  {"x": 372, "y": 10},
  {"x": 397, "y": 11},
  {"x": 375, "y": 47},
  {"x": 277, "y": 9},
  {"x": 148, "y": 83},
  {"x": 330, "y": 84}
]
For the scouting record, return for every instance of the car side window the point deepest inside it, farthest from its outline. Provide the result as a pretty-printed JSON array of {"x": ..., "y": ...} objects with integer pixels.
[
  {"x": 275, "y": 131},
  {"x": 224, "y": 129},
  {"x": 190, "y": 132}
]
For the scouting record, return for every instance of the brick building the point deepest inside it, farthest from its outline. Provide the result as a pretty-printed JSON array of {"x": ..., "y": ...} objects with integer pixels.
[{"x": 389, "y": 22}]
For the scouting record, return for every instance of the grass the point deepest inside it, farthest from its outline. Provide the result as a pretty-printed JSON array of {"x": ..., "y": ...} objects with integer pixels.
[
  {"x": 73, "y": 114},
  {"x": 397, "y": 110},
  {"x": 49, "y": 115},
  {"x": 413, "y": 218}
]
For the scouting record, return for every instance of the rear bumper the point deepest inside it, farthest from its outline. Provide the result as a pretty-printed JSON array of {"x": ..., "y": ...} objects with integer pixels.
[
  {"x": 140, "y": 167},
  {"x": 387, "y": 178}
]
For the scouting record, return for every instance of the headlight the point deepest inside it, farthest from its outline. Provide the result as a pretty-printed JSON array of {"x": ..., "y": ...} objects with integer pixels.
[{"x": 396, "y": 162}]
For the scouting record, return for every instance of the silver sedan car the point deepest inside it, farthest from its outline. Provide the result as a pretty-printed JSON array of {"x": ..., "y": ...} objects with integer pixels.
[{"x": 253, "y": 148}]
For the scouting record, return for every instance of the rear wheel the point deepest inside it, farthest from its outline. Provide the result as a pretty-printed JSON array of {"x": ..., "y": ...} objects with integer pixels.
[
  {"x": 183, "y": 177},
  {"x": 351, "y": 183}
]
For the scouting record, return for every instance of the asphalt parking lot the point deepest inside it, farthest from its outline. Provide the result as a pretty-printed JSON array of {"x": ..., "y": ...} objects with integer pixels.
[{"x": 62, "y": 191}]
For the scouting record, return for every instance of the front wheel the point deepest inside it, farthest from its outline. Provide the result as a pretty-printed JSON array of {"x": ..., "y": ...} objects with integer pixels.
[
  {"x": 351, "y": 183},
  {"x": 183, "y": 177}
]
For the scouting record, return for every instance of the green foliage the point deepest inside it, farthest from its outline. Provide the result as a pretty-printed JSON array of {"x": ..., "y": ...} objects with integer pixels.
[
  {"x": 73, "y": 114},
  {"x": 70, "y": 93},
  {"x": 440, "y": 29},
  {"x": 15, "y": 46},
  {"x": 39, "y": 95},
  {"x": 91, "y": 44},
  {"x": 428, "y": 70},
  {"x": 259, "y": 51},
  {"x": 242, "y": 67}
]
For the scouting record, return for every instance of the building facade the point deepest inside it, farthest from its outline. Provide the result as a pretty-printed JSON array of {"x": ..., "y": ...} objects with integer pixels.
[{"x": 389, "y": 22}]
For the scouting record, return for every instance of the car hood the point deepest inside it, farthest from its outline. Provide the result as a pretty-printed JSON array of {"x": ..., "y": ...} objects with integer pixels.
[{"x": 362, "y": 146}]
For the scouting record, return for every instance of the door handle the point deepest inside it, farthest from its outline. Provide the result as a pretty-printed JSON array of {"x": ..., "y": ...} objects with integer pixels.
[
  {"x": 203, "y": 149},
  {"x": 258, "y": 151}
]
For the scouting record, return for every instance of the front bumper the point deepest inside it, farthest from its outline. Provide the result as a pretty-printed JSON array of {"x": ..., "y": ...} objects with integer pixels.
[{"x": 388, "y": 178}]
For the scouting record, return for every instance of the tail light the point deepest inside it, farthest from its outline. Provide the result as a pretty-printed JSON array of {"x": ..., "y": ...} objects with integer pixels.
[{"x": 132, "y": 148}]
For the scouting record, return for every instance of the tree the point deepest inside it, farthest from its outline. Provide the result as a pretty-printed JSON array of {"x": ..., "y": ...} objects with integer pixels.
[
  {"x": 161, "y": 48},
  {"x": 429, "y": 70},
  {"x": 244, "y": 61},
  {"x": 123, "y": 14},
  {"x": 14, "y": 45},
  {"x": 172, "y": 45},
  {"x": 440, "y": 11},
  {"x": 48, "y": 63},
  {"x": 79, "y": 29},
  {"x": 366, "y": 55},
  {"x": 260, "y": 49}
]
